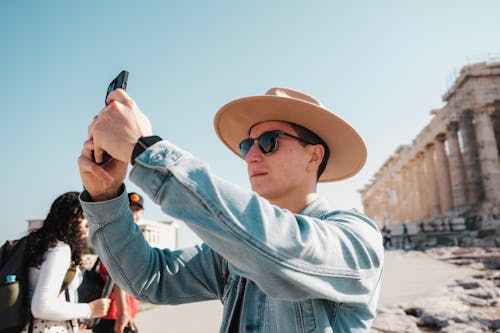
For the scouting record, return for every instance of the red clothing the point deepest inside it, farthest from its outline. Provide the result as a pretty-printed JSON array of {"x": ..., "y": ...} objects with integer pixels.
[{"x": 132, "y": 303}]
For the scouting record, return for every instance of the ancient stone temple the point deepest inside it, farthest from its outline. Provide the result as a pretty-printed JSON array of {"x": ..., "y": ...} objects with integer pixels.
[{"x": 450, "y": 174}]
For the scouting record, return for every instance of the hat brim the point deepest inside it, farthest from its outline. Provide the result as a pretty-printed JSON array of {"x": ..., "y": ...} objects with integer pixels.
[{"x": 347, "y": 149}]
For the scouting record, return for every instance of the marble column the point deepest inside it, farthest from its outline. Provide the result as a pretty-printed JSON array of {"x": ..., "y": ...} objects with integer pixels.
[
  {"x": 432, "y": 184},
  {"x": 407, "y": 206},
  {"x": 470, "y": 156},
  {"x": 390, "y": 192},
  {"x": 488, "y": 154},
  {"x": 457, "y": 171},
  {"x": 495, "y": 117},
  {"x": 422, "y": 187},
  {"x": 396, "y": 208},
  {"x": 375, "y": 204},
  {"x": 383, "y": 207},
  {"x": 387, "y": 201},
  {"x": 400, "y": 197},
  {"x": 443, "y": 175},
  {"x": 415, "y": 193}
]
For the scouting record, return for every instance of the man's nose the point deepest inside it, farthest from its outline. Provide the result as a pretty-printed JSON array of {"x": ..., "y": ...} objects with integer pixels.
[{"x": 254, "y": 154}]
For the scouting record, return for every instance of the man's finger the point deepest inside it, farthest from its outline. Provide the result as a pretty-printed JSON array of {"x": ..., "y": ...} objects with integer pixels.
[
  {"x": 98, "y": 118},
  {"x": 97, "y": 155},
  {"x": 86, "y": 165},
  {"x": 88, "y": 147},
  {"x": 88, "y": 150},
  {"x": 97, "y": 152},
  {"x": 120, "y": 96}
]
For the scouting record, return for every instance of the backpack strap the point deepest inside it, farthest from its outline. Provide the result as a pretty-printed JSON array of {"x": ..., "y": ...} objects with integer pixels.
[
  {"x": 2, "y": 248},
  {"x": 70, "y": 274},
  {"x": 94, "y": 268}
]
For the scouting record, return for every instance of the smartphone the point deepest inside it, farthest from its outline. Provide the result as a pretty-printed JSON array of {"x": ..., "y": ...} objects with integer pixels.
[{"x": 119, "y": 82}]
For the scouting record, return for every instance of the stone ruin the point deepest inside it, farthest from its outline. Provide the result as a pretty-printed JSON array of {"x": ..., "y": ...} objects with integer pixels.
[{"x": 445, "y": 185}]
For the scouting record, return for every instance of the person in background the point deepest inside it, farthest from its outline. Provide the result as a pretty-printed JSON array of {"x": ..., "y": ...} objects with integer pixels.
[
  {"x": 277, "y": 256},
  {"x": 136, "y": 204},
  {"x": 123, "y": 307},
  {"x": 386, "y": 231},
  {"x": 52, "y": 251},
  {"x": 406, "y": 236}
]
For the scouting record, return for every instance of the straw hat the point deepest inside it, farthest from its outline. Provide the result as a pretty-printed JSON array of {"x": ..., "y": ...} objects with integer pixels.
[{"x": 347, "y": 149}]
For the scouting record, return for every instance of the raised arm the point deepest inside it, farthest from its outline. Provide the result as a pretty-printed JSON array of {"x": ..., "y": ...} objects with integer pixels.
[
  {"x": 335, "y": 256},
  {"x": 154, "y": 275}
]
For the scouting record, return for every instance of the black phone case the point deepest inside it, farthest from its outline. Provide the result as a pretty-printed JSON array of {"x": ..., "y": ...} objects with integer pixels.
[{"x": 119, "y": 82}]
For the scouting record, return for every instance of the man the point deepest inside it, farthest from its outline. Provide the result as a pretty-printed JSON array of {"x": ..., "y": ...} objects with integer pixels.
[
  {"x": 277, "y": 257},
  {"x": 386, "y": 231},
  {"x": 406, "y": 236},
  {"x": 136, "y": 205},
  {"x": 123, "y": 307}
]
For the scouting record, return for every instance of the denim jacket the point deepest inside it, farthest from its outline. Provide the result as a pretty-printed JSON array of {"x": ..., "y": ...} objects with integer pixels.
[{"x": 274, "y": 271}]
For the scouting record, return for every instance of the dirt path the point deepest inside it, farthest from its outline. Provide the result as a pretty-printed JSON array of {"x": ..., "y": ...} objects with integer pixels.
[{"x": 407, "y": 276}]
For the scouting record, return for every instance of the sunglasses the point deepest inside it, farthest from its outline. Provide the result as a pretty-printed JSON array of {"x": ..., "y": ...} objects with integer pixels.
[{"x": 268, "y": 142}]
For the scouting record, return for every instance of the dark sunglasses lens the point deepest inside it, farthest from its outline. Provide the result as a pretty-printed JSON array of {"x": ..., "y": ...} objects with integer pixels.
[
  {"x": 267, "y": 142},
  {"x": 245, "y": 146}
]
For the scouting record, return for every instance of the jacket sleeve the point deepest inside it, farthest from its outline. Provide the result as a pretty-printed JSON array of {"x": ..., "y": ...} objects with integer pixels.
[
  {"x": 159, "y": 276},
  {"x": 337, "y": 256},
  {"x": 47, "y": 302}
]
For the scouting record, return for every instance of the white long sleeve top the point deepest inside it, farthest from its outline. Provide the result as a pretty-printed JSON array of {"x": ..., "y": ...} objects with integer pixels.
[{"x": 47, "y": 301}]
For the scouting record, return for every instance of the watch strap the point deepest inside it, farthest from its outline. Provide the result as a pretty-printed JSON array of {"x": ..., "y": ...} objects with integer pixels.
[{"x": 143, "y": 143}]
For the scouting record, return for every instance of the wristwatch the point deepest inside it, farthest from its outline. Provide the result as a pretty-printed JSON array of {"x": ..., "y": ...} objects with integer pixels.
[{"x": 143, "y": 143}]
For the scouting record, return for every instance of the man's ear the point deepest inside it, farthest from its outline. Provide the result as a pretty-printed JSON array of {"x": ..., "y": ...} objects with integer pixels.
[{"x": 316, "y": 156}]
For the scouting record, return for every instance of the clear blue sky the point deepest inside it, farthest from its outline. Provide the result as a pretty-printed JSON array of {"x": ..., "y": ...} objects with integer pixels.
[{"x": 381, "y": 65}]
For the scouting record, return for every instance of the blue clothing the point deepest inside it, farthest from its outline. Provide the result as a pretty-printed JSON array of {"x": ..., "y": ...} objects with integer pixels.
[{"x": 275, "y": 271}]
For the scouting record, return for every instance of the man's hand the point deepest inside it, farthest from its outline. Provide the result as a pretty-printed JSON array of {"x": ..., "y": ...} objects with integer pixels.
[
  {"x": 114, "y": 130},
  {"x": 117, "y": 127},
  {"x": 101, "y": 181}
]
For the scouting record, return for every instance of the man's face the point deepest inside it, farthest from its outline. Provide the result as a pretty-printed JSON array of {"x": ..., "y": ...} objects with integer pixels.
[
  {"x": 283, "y": 172},
  {"x": 137, "y": 211}
]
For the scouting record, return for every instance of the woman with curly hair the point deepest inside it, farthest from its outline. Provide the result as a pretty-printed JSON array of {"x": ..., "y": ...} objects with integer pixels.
[{"x": 51, "y": 251}]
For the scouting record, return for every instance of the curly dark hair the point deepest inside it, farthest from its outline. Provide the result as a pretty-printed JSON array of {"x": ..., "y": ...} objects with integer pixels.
[{"x": 61, "y": 224}]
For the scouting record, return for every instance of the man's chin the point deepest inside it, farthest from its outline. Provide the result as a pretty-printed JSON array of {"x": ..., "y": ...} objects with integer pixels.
[
  {"x": 261, "y": 190},
  {"x": 256, "y": 186}
]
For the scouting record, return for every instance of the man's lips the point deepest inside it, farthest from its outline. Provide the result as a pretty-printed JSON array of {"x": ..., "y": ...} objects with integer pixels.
[{"x": 257, "y": 173}]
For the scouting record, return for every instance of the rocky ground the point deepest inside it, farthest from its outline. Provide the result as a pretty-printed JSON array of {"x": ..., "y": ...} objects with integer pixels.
[{"x": 470, "y": 304}]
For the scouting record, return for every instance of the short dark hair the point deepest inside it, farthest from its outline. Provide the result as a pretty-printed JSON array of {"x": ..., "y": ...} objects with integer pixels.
[{"x": 307, "y": 135}]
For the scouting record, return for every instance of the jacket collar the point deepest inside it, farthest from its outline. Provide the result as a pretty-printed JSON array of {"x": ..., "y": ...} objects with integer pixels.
[{"x": 317, "y": 208}]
